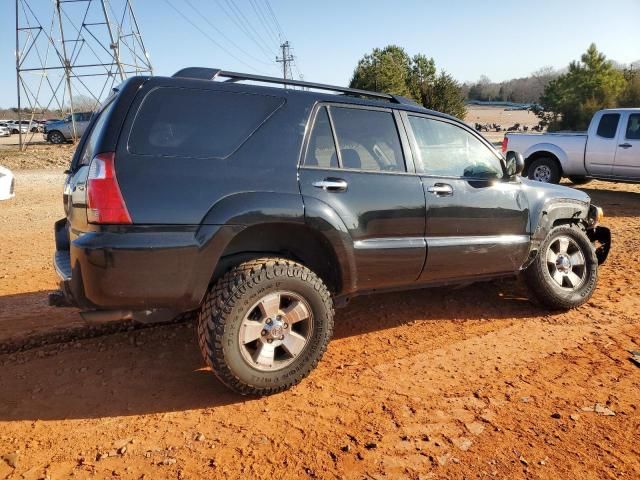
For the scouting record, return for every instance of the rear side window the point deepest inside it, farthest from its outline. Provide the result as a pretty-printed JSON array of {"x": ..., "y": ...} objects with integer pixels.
[
  {"x": 180, "y": 122},
  {"x": 608, "y": 125},
  {"x": 367, "y": 139},
  {"x": 633, "y": 127},
  {"x": 321, "y": 151}
]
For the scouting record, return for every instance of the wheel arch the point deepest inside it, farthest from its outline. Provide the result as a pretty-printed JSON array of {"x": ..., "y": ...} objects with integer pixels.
[
  {"x": 284, "y": 224},
  {"x": 297, "y": 242},
  {"x": 545, "y": 153}
]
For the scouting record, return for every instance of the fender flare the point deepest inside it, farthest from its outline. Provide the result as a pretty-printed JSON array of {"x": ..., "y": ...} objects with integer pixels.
[
  {"x": 242, "y": 210},
  {"x": 323, "y": 218}
]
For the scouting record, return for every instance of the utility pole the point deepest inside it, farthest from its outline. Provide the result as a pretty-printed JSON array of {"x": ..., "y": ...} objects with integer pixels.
[
  {"x": 286, "y": 60},
  {"x": 70, "y": 52}
]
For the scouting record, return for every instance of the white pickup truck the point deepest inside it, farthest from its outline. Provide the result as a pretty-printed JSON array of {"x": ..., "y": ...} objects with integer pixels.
[{"x": 609, "y": 150}]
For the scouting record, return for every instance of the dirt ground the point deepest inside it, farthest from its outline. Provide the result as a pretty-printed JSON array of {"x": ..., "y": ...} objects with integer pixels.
[{"x": 474, "y": 382}]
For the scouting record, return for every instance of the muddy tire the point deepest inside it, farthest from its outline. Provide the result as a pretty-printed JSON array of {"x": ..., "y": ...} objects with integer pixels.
[
  {"x": 544, "y": 169},
  {"x": 564, "y": 274},
  {"x": 55, "y": 137},
  {"x": 577, "y": 180},
  {"x": 265, "y": 325}
]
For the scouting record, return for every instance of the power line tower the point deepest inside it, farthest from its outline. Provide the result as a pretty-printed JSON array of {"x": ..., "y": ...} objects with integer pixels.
[
  {"x": 286, "y": 60},
  {"x": 70, "y": 54}
]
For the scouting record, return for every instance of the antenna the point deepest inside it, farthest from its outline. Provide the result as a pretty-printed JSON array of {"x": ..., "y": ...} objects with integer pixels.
[{"x": 71, "y": 53}]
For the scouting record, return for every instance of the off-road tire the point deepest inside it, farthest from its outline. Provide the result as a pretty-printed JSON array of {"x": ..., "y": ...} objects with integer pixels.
[
  {"x": 579, "y": 180},
  {"x": 229, "y": 300},
  {"x": 542, "y": 286},
  {"x": 555, "y": 174},
  {"x": 55, "y": 137}
]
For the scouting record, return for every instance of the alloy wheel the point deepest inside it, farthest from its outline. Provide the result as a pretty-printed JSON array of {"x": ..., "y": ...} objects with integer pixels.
[
  {"x": 275, "y": 331},
  {"x": 566, "y": 263}
]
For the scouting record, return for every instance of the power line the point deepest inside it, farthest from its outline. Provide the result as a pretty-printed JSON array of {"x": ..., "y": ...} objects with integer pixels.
[
  {"x": 275, "y": 19},
  {"x": 266, "y": 24},
  {"x": 208, "y": 37},
  {"x": 233, "y": 16},
  {"x": 233, "y": 6},
  {"x": 225, "y": 36}
]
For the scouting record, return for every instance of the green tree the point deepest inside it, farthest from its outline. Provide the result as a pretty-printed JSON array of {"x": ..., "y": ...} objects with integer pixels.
[
  {"x": 392, "y": 70},
  {"x": 444, "y": 94},
  {"x": 590, "y": 85},
  {"x": 385, "y": 70},
  {"x": 630, "y": 96}
]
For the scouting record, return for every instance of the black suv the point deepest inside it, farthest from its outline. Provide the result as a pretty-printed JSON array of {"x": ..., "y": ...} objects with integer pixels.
[{"x": 261, "y": 208}]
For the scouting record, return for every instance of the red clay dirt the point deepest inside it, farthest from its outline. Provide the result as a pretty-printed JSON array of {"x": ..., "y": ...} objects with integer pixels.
[{"x": 475, "y": 382}]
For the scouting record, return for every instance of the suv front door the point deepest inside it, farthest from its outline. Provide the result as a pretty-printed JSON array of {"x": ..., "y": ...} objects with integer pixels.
[
  {"x": 477, "y": 221},
  {"x": 354, "y": 167}
]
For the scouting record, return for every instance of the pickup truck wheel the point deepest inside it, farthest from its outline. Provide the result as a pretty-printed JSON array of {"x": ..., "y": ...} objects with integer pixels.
[
  {"x": 265, "y": 325},
  {"x": 55, "y": 137},
  {"x": 577, "y": 180},
  {"x": 544, "y": 170},
  {"x": 564, "y": 274}
]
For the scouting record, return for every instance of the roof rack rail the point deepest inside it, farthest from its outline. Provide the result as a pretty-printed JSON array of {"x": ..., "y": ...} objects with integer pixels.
[{"x": 203, "y": 73}]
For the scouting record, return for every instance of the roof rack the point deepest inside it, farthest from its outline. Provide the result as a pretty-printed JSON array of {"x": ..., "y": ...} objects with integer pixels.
[{"x": 203, "y": 73}]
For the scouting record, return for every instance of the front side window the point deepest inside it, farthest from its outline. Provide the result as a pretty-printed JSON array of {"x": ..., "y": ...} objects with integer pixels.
[
  {"x": 367, "y": 139},
  {"x": 633, "y": 127},
  {"x": 608, "y": 125},
  {"x": 321, "y": 151},
  {"x": 447, "y": 150}
]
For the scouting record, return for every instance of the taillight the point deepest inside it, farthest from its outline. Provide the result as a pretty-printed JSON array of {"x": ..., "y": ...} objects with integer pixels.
[
  {"x": 505, "y": 144},
  {"x": 104, "y": 199}
]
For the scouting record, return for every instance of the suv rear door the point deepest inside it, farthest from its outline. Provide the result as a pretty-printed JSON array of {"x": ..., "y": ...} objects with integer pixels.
[
  {"x": 354, "y": 163},
  {"x": 477, "y": 222}
]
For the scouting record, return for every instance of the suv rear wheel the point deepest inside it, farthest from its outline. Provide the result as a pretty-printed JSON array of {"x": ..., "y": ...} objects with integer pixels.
[
  {"x": 565, "y": 272},
  {"x": 265, "y": 325}
]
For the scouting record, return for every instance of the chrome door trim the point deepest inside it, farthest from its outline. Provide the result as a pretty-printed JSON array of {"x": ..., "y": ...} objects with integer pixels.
[
  {"x": 477, "y": 240},
  {"x": 390, "y": 243}
]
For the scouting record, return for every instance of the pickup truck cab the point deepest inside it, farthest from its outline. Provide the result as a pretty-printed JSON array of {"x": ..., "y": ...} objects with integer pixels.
[{"x": 608, "y": 150}]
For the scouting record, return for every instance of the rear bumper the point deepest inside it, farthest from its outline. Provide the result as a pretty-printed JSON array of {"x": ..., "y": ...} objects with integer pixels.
[{"x": 141, "y": 268}]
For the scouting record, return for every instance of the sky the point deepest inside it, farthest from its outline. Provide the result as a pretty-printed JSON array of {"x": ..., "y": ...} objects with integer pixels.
[{"x": 501, "y": 40}]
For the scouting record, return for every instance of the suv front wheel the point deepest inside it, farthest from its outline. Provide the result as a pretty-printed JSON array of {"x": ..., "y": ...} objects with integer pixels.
[
  {"x": 564, "y": 274},
  {"x": 265, "y": 325}
]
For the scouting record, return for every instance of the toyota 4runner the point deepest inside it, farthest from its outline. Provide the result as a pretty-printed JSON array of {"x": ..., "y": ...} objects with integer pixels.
[{"x": 260, "y": 208}]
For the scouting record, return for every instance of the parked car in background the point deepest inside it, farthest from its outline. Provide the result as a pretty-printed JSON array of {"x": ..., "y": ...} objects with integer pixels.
[
  {"x": 7, "y": 183},
  {"x": 18, "y": 127},
  {"x": 608, "y": 150},
  {"x": 4, "y": 131},
  {"x": 260, "y": 226},
  {"x": 62, "y": 131}
]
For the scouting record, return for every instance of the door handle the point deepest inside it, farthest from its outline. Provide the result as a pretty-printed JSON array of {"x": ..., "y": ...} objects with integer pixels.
[
  {"x": 332, "y": 184},
  {"x": 441, "y": 189},
  {"x": 625, "y": 145}
]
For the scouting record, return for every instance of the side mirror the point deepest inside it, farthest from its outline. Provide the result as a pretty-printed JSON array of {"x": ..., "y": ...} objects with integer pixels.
[{"x": 514, "y": 163}]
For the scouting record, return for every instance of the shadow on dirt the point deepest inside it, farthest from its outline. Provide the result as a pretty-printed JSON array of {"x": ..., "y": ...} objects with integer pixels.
[{"x": 157, "y": 370}]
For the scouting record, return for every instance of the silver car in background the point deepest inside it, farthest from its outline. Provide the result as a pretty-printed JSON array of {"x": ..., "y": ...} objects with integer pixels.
[{"x": 62, "y": 131}]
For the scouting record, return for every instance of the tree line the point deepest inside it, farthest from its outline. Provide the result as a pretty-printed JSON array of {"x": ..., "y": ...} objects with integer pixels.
[{"x": 562, "y": 99}]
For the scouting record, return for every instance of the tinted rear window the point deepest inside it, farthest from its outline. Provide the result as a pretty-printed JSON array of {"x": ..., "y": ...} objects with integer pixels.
[
  {"x": 89, "y": 147},
  {"x": 608, "y": 125},
  {"x": 180, "y": 122}
]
